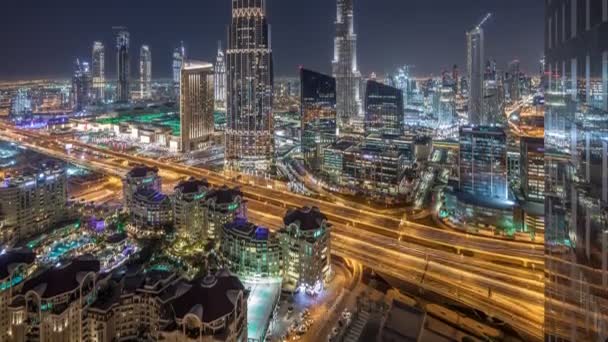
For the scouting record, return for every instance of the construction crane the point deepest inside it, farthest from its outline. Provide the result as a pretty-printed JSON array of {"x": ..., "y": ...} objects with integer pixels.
[{"x": 483, "y": 21}]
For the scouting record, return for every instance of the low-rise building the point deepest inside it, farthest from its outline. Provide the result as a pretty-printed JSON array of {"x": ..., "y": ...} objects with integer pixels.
[
  {"x": 190, "y": 210},
  {"x": 151, "y": 210},
  {"x": 224, "y": 205},
  {"x": 139, "y": 178},
  {"x": 15, "y": 266}
]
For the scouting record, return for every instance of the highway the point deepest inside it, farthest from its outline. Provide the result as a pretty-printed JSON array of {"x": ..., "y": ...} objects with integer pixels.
[{"x": 500, "y": 277}]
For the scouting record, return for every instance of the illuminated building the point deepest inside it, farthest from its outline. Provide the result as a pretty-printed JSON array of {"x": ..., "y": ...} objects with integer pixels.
[
  {"x": 403, "y": 81},
  {"x": 306, "y": 248},
  {"x": 123, "y": 68},
  {"x": 15, "y": 267},
  {"x": 139, "y": 178},
  {"x": 145, "y": 72},
  {"x": 250, "y": 251},
  {"x": 493, "y": 102},
  {"x": 532, "y": 168},
  {"x": 220, "y": 78},
  {"x": 576, "y": 127},
  {"x": 21, "y": 104},
  {"x": 179, "y": 54},
  {"x": 345, "y": 69},
  {"x": 318, "y": 115},
  {"x": 98, "y": 70},
  {"x": 447, "y": 106},
  {"x": 31, "y": 204},
  {"x": 249, "y": 135},
  {"x": 514, "y": 82},
  {"x": 224, "y": 205},
  {"x": 383, "y": 109},
  {"x": 475, "y": 79},
  {"x": 196, "y": 104},
  {"x": 81, "y": 85},
  {"x": 51, "y": 305},
  {"x": 483, "y": 162},
  {"x": 189, "y": 209},
  {"x": 151, "y": 210}
]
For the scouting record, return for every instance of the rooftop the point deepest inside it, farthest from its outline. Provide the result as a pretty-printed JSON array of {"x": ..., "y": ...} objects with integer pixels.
[
  {"x": 195, "y": 65},
  {"x": 244, "y": 228},
  {"x": 141, "y": 171},
  {"x": 309, "y": 218},
  {"x": 10, "y": 259},
  {"x": 192, "y": 186},
  {"x": 225, "y": 195}
]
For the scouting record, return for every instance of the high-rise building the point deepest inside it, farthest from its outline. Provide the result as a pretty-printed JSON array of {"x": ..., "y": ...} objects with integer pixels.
[
  {"x": 145, "y": 72},
  {"x": 249, "y": 135},
  {"x": 32, "y": 203},
  {"x": 179, "y": 54},
  {"x": 123, "y": 65},
  {"x": 576, "y": 187},
  {"x": 306, "y": 248},
  {"x": 139, "y": 178},
  {"x": 189, "y": 209},
  {"x": 224, "y": 205},
  {"x": 475, "y": 79},
  {"x": 532, "y": 168},
  {"x": 514, "y": 81},
  {"x": 483, "y": 162},
  {"x": 98, "y": 71},
  {"x": 402, "y": 80},
  {"x": 81, "y": 85},
  {"x": 21, "y": 104},
  {"x": 318, "y": 115},
  {"x": 345, "y": 70},
  {"x": 196, "y": 104},
  {"x": 220, "y": 78},
  {"x": 447, "y": 106},
  {"x": 383, "y": 109}
]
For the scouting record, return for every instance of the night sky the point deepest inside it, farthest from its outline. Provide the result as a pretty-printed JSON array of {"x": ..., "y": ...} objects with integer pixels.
[{"x": 41, "y": 38}]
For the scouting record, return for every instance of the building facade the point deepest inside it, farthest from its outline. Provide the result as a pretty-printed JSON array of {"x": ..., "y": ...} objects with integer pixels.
[
  {"x": 345, "y": 69},
  {"x": 224, "y": 205},
  {"x": 196, "y": 104},
  {"x": 220, "y": 78},
  {"x": 81, "y": 85},
  {"x": 576, "y": 159},
  {"x": 475, "y": 79},
  {"x": 123, "y": 66},
  {"x": 151, "y": 211},
  {"x": 179, "y": 54},
  {"x": 145, "y": 73},
  {"x": 139, "y": 178},
  {"x": 189, "y": 209},
  {"x": 532, "y": 168},
  {"x": 318, "y": 115},
  {"x": 98, "y": 70},
  {"x": 15, "y": 267},
  {"x": 383, "y": 109},
  {"x": 249, "y": 135}
]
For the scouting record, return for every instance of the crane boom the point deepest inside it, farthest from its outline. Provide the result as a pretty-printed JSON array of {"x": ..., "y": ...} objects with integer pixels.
[{"x": 483, "y": 21}]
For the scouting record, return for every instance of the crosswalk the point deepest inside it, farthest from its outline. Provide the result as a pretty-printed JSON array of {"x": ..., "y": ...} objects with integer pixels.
[{"x": 357, "y": 327}]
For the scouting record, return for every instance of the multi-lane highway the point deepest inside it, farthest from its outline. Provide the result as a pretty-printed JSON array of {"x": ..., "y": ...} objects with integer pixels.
[{"x": 500, "y": 277}]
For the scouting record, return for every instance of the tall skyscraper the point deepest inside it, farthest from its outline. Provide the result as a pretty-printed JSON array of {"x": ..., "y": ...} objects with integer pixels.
[
  {"x": 98, "y": 70},
  {"x": 576, "y": 164},
  {"x": 475, "y": 71},
  {"x": 81, "y": 85},
  {"x": 318, "y": 115},
  {"x": 220, "y": 78},
  {"x": 123, "y": 68},
  {"x": 249, "y": 123},
  {"x": 145, "y": 72},
  {"x": 345, "y": 70},
  {"x": 178, "y": 60},
  {"x": 196, "y": 104},
  {"x": 383, "y": 109}
]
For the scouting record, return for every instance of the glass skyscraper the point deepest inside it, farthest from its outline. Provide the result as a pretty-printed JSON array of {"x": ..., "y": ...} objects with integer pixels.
[
  {"x": 220, "y": 78},
  {"x": 178, "y": 60},
  {"x": 98, "y": 70},
  {"x": 249, "y": 125},
  {"x": 145, "y": 72},
  {"x": 318, "y": 115},
  {"x": 383, "y": 109},
  {"x": 475, "y": 70},
  {"x": 196, "y": 104},
  {"x": 123, "y": 68},
  {"x": 576, "y": 158}
]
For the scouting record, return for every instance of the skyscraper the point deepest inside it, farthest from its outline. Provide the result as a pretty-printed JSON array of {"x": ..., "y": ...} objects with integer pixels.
[
  {"x": 196, "y": 104},
  {"x": 220, "y": 78},
  {"x": 98, "y": 70},
  {"x": 345, "y": 69},
  {"x": 145, "y": 72},
  {"x": 81, "y": 85},
  {"x": 318, "y": 115},
  {"x": 475, "y": 70},
  {"x": 383, "y": 109},
  {"x": 249, "y": 124},
  {"x": 123, "y": 69},
  {"x": 178, "y": 60}
]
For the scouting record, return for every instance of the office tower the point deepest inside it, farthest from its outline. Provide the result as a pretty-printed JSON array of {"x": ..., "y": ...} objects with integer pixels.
[
  {"x": 576, "y": 190},
  {"x": 532, "y": 168},
  {"x": 189, "y": 209},
  {"x": 345, "y": 69},
  {"x": 145, "y": 72},
  {"x": 123, "y": 67},
  {"x": 220, "y": 78},
  {"x": 15, "y": 266},
  {"x": 456, "y": 79},
  {"x": 306, "y": 248},
  {"x": 383, "y": 109},
  {"x": 179, "y": 54},
  {"x": 51, "y": 305},
  {"x": 514, "y": 86},
  {"x": 139, "y": 178},
  {"x": 32, "y": 203},
  {"x": 493, "y": 102},
  {"x": 483, "y": 162},
  {"x": 475, "y": 76},
  {"x": 81, "y": 85},
  {"x": 98, "y": 71},
  {"x": 318, "y": 115},
  {"x": 196, "y": 104},
  {"x": 251, "y": 251},
  {"x": 447, "y": 106},
  {"x": 249, "y": 123},
  {"x": 21, "y": 104}
]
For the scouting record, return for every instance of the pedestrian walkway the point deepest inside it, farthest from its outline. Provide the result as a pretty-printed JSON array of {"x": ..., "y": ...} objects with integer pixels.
[{"x": 357, "y": 327}]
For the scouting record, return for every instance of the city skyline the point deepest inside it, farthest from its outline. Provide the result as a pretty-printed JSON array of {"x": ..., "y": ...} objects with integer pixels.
[{"x": 512, "y": 33}]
